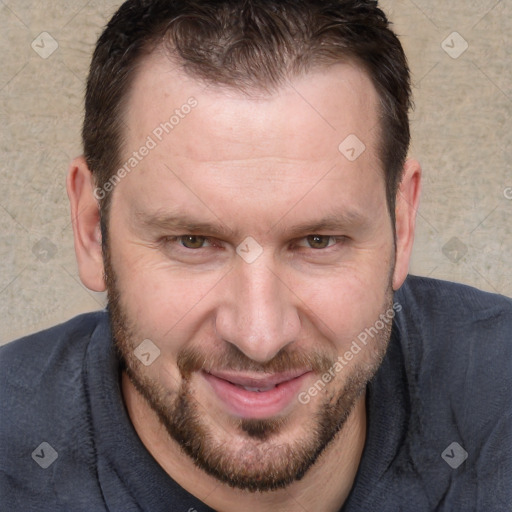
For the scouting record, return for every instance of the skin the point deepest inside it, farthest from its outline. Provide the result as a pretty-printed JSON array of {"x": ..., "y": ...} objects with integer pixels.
[{"x": 257, "y": 165}]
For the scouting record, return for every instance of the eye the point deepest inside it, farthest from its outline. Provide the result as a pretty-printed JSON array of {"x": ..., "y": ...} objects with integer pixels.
[
  {"x": 192, "y": 241},
  {"x": 319, "y": 241},
  {"x": 191, "y": 249}
]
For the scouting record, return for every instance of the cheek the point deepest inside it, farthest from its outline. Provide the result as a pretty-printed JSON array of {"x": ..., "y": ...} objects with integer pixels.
[
  {"x": 343, "y": 305},
  {"x": 165, "y": 303},
  {"x": 170, "y": 310}
]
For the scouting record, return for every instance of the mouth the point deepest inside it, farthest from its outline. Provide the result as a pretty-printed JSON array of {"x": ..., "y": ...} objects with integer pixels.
[{"x": 256, "y": 396}]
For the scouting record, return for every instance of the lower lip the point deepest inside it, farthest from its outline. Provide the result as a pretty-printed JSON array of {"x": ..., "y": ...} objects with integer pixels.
[{"x": 255, "y": 404}]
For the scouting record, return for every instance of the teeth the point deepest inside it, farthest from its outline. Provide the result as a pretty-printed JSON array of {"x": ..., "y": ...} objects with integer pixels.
[{"x": 247, "y": 388}]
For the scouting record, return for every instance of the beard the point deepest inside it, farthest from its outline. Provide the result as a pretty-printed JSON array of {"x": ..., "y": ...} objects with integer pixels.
[{"x": 265, "y": 454}]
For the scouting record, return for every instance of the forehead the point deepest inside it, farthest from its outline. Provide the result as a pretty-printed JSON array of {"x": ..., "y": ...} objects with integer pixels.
[
  {"x": 308, "y": 117},
  {"x": 251, "y": 158}
]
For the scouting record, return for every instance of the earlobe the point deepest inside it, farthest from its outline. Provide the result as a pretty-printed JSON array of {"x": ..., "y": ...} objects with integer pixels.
[
  {"x": 407, "y": 203},
  {"x": 85, "y": 217}
]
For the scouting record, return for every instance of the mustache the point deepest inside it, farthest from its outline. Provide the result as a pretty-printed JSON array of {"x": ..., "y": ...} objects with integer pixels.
[{"x": 191, "y": 360}]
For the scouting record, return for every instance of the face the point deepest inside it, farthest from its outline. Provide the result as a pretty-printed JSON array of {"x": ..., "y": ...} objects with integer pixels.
[{"x": 251, "y": 249}]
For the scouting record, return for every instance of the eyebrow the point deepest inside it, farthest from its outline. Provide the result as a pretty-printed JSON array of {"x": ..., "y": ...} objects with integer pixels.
[
  {"x": 178, "y": 222},
  {"x": 333, "y": 222}
]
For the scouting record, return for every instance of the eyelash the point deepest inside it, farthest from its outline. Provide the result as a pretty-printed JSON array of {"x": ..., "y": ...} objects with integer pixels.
[{"x": 338, "y": 240}]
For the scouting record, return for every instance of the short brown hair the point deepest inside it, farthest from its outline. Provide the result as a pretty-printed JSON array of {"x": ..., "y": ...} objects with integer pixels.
[{"x": 246, "y": 44}]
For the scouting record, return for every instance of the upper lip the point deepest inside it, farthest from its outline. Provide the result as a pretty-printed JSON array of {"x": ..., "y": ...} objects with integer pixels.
[{"x": 257, "y": 380}]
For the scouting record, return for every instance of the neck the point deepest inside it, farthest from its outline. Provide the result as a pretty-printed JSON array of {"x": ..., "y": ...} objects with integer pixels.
[{"x": 331, "y": 477}]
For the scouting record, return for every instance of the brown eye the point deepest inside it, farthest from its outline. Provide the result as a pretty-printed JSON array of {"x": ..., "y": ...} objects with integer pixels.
[
  {"x": 192, "y": 241},
  {"x": 319, "y": 241}
]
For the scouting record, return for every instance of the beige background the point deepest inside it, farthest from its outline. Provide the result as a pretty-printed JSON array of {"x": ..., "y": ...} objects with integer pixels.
[{"x": 461, "y": 134}]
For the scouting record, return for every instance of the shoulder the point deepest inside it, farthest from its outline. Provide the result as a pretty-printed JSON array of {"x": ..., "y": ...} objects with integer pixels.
[
  {"x": 44, "y": 414},
  {"x": 428, "y": 296},
  {"x": 457, "y": 347},
  {"x": 33, "y": 361},
  {"x": 45, "y": 368},
  {"x": 455, "y": 319},
  {"x": 455, "y": 334}
]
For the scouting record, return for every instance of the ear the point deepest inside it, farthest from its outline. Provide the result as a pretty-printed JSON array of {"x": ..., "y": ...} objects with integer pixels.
[
  {"x": 407, "y": 203},
  {"x": 85, "y": 217}
]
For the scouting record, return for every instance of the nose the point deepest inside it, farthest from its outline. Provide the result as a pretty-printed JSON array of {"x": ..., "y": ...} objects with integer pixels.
[{"x": 257, "y": 313}]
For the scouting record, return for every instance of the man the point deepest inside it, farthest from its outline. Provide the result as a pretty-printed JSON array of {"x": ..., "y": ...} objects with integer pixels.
[{"x": 244, "y": 198}]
